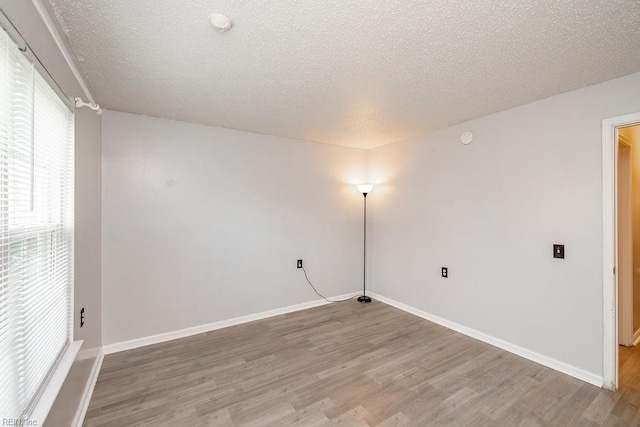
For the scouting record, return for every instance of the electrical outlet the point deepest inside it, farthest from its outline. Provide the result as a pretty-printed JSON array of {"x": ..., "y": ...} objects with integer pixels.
[
  {"x": 445, "y": 272},
  {"x": 558, "y": 251},
  {"x": 82, "y": 317},
  {"x": 299, "y": 263}
]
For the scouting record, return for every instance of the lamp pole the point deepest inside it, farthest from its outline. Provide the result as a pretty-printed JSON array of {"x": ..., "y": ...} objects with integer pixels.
[{"x": 364, "y": 189}]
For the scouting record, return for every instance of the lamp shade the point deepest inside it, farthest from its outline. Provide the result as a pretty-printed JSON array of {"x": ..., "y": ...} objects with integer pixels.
[{"x": 365, "y": 188}]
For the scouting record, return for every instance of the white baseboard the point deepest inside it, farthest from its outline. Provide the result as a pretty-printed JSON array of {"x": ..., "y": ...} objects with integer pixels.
[
  {"x": 504, "y": 345},
  {"x": 182, "y": 333},
  {"x": 88, "y": 389},
  {"x": 636, "y": 337}
]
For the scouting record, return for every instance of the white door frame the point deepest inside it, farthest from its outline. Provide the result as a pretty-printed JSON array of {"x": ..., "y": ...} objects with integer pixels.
[{"x": 609, "y": 246}]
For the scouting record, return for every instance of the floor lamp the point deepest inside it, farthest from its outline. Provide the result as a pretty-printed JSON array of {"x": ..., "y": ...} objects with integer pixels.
[{"x": 365, "y": 189}]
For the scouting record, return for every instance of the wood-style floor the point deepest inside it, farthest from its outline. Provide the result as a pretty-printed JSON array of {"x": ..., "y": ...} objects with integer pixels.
[
  {"x": 345, "y": 364},
  {"x": 629, "y": 375}
]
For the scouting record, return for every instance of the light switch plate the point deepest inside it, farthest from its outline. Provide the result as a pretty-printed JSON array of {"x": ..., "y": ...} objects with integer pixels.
[{"x": 558, "y": 251}]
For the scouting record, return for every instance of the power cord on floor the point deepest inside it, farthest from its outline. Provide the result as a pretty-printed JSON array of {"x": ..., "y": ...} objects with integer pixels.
[{"x": 319, "y": 294}]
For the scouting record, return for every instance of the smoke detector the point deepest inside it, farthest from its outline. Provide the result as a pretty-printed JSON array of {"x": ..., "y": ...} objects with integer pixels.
[
  {"x": 466, "y": 138},
  {"x": 220, "y": 22}
]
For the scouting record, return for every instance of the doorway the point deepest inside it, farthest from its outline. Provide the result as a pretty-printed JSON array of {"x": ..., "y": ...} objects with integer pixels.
[
  {"x": 625, "y": 243},
  {"x": 628, "y": 257},
  {"x": 618, "y": 156}
]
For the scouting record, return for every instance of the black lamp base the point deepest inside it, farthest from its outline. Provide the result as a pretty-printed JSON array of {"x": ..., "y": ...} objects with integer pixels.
[{"x": 364, "y": 298}]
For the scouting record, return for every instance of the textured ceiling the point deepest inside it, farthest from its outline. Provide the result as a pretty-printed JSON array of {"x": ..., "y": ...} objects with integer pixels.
[{"x": 356, "y": 73}]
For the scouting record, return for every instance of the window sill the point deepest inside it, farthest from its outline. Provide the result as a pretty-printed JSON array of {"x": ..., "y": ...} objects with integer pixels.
[{"x": 55, "y": 384}]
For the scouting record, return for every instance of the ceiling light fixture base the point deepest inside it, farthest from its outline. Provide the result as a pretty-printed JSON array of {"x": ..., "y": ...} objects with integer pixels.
[{"x": 220, "y": 22}]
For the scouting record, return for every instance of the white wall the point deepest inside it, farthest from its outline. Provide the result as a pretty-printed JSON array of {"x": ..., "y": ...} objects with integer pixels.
[
  {"x": 88, "y": 225},
  {"x": 202, "y": 224},
  {"x": 491, "y": 212}
]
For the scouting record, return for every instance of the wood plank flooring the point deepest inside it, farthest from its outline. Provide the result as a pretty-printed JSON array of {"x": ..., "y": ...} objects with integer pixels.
[
  {"x": 630, "y": 374},
  {"x": 345, "y": 364}
]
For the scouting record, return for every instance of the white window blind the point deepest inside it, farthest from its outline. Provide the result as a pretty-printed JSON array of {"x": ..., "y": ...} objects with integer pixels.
[{"x": 36, "y": 231}]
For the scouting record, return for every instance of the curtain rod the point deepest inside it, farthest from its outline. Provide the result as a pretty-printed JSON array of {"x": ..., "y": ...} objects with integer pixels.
[
  {"x": 24, "y": 47},
  {"x": 43, "y": 11},
  {"x": 91, "y": 105}
]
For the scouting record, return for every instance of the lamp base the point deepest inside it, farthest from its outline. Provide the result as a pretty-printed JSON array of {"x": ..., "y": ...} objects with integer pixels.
[{"x": 364, "y": 298}]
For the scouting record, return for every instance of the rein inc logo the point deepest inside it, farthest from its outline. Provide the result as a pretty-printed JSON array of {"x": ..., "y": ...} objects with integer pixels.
[{"x": 19, "y": 422}]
